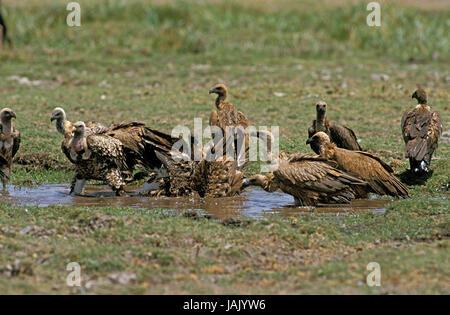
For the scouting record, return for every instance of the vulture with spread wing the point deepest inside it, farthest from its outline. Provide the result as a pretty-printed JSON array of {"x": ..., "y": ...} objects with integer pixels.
[
  {"x": 342, "y": 136},
  {"x": 9, "y": 144},
  {"x": 311, "y": 180},
  {"x": 421, "y": 131},
  {"x": 379, "y": 176}
]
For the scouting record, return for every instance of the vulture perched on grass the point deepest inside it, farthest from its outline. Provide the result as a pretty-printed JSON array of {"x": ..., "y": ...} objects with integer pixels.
[
  {"x": 9, "y": 144},
  {"x": 342, "y": 136},
  {"x": 99, "y": 157},
  {"x": 311, "y": 180},
  {"x": 208, "y": 178},
  {"x": 227, "y": 115},
  {"x": 421, "y": 131},
  {"x": 379, "y": 176}
]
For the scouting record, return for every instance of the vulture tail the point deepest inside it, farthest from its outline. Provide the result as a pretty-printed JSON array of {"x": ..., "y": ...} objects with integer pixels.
[{"x": 418, "y": 152}]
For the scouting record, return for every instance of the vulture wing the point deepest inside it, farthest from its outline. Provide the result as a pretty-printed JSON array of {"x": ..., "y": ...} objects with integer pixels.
[
  {"x": 371, "y": 169},
  {"x": 217, "y": 178},
  {"x": 107, "y": 150},
  {"x": 313, "y": 180},
  {"x": 344, "y": 137},
  {"x": 16, "y": 143}
]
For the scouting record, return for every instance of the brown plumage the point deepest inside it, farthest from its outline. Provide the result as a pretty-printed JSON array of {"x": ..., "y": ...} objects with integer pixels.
[
  {"x": 421, "y": 130},
  {"x": 9, "y": 144},
  {"x": 342, "y": 136},
  {"x": 99, "y": 157},
  {"x": 310, "y": 180},
  {"x": 213, "y": 179},
  {"x": 226, "y": 115},
  {"x": 373, "y": 170},
  {"x": 141, "y": 142}
]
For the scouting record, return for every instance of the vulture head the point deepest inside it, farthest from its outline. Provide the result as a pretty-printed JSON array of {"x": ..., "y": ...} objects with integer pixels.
[
  {"x": 221, "y": 91},
  {"x": 58, "y": 114},
  {"x": 318, "y": 140},
  {"x": 420, "y": 95},
  {"x": 6, "y": 114},
  {"x": 321, "y": 107},
  {"x": 79, "y": 129}
]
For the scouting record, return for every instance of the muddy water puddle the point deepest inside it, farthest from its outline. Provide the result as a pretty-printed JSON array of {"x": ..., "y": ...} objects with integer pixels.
[{"x": 253, "y": 202}]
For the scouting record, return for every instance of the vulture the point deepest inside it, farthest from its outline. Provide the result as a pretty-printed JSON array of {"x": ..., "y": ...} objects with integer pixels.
[
  {"x": 367, "y": 167},
  {"x": 342, "y": 136},
  {"x": 310, "y": 179},
  {"x": 9, "y": 144},
  {"x": 137, "y": 144},
  {"x": 99, "y": 157},
  {"x": 226, "y": 115},
  {"x": 421, "y": 131},
  {"x": 211, "y": 178}
]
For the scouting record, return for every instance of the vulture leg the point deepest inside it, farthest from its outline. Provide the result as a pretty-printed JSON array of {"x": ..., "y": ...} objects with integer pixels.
[
  {"x": 77, "y": 186},
  {"x": 115, "y": 181},
  {"x": 4, "y": 174}
]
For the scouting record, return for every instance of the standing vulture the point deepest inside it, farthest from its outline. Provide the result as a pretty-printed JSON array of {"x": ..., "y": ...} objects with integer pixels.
[
  {"x": 373, "y": 170},
  {"x": 9, "y": 144},
  {"x": 342, "y": 136},
  {"x": 227, "y": 115},
  {"x": 310, "y": 180},
  {"x": 99, "y": 157},
  {"x": 421, "y": 131}
]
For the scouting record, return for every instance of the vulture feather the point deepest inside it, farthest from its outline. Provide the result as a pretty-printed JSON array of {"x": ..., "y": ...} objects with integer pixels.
[
  {"x": 310, "y": 180},
  {"x": 9, "y": 143},
  {"x": 421, "y": 130},
  {"x": 368, "y": 167},
  {"x": 342, "y": 136},
  {"x": 215, "y": 178}
]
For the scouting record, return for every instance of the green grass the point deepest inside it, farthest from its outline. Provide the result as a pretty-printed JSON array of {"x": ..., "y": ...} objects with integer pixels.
[
  {"x": 185, "y": 254},
  {"x": 155, "y": 63}
]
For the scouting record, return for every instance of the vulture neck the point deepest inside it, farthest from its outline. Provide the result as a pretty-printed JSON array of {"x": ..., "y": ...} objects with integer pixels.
[
  {"x": 327, "y": 150},
  {"x": 424, "y": 107},
  {"x": 7, "y": 127},
  {"x": 60, "y": 125},
  {"x": 220, "y": 98},
  {"x": 321, "y": 117},
  {"x": 78, "y": 137}
]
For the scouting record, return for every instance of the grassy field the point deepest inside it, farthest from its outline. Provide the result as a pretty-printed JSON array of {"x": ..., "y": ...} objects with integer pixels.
[{"x": 131, "y": 60}]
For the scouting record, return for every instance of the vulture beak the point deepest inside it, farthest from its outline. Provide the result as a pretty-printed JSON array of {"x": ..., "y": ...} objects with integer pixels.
[
  {"x": 213, "y": 90},
  {"x": 414, "y": 95},
  {"x": 13, "y": 115},
  {"x": 53, "y": 118},
  {"x": 308, "y": 141}
]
